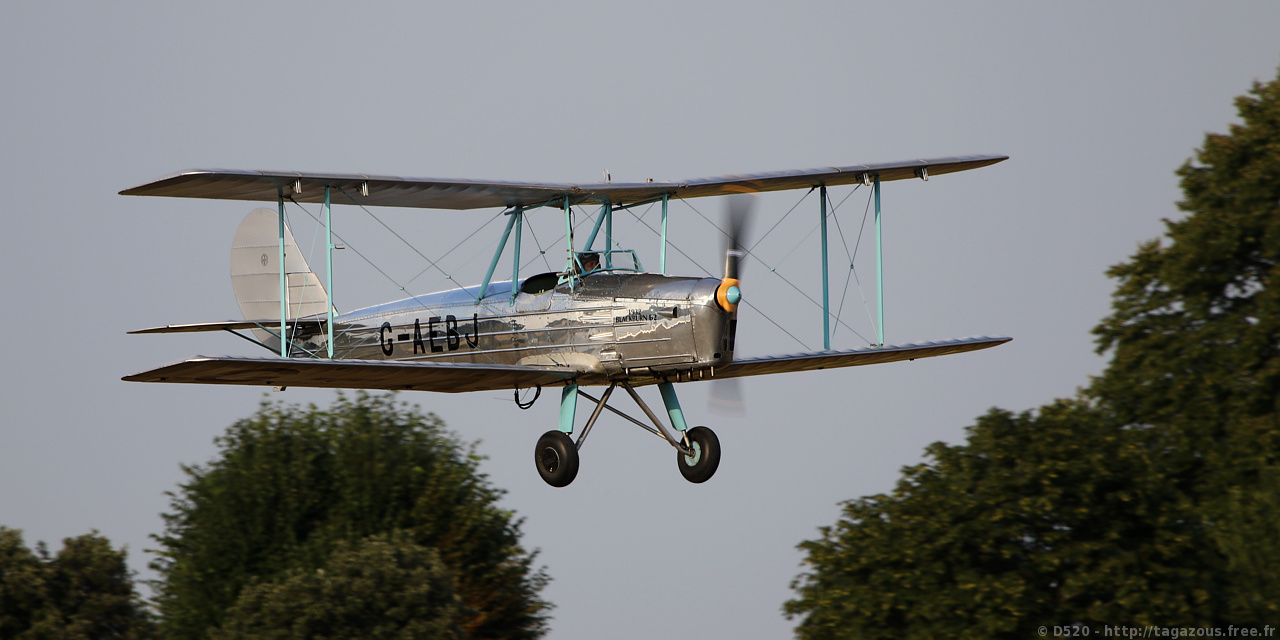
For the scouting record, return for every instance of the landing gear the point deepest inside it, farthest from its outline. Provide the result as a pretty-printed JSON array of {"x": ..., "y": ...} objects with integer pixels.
[
  {"x": 557, "y": 458},
  {"x": 702, "y": 464},
  {"x": 697, "y": 449}
]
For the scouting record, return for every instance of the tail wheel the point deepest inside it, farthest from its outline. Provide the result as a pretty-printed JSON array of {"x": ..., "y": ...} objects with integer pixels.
[
  {"x": 702, "y": 464},
  {"x": 557, "y": 458}
]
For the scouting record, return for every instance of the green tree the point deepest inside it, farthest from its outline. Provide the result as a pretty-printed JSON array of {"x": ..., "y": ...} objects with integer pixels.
[
  {"x": 1148, "y": 499},
  {"x": 1051, "y": 518},
  {"x": 85, "y": 592},
  {"x": 385, "y": 587},
  {"x": 1195, "y": 333},
  {"x": 1248, "y": 531},
  {"x": 291, "y": 485}
]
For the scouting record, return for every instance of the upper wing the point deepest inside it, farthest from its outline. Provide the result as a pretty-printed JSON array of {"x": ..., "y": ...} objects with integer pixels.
[
  {"x": 852, "y": 357},
  {"x": 392, "y": 375},
  {"x": 433, "y": 193}
]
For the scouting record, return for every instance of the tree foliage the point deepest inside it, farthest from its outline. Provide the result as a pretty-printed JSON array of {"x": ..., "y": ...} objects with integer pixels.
[
  {"x": 1195, "y": 333},
  {"x": 1150, "y": 498},
  {"x": 85, "y": 592},
  {"x": 293, "y": 485},
  {"x": 385, "y": 587},
  {"x": 1047, "y": 518}
]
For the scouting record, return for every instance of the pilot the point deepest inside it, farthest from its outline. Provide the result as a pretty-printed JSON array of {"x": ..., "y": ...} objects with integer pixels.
[{"x": 590, "y": 261}]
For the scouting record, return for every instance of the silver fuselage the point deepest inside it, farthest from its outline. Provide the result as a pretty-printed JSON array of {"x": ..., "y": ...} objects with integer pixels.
[{"x": 608, "y": 325}]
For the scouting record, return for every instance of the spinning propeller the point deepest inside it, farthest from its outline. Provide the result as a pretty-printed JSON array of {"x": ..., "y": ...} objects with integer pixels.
[
  {"x": 726, "y": 395},
  {"x": 737, "y": 218}
]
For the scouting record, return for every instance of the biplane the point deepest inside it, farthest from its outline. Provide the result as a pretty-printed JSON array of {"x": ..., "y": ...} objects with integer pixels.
[{"x": 601, "y": 321}]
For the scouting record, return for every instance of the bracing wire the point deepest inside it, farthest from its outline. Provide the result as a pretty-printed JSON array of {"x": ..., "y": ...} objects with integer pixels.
[
  {"x": 852, "y": 256},
  {"x": 349, "y": 246},
  {"x": 311, "y": 254},
  {"x": 774, "y": 269},
  {"x": 709, "y": 274},
  {"x": 542, "y": 253},
  {"x": 866, "y": 211},
  {"x": 784, "y": 217},
  {"x": 460, "y": 243},
  {"x": 353, "y": 250},
  {"x": 583, "y": 218},
  {"x": 429, "y": 261}
]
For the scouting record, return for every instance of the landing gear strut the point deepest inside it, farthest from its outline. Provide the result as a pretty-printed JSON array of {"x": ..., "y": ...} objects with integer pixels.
[{"x": 556, "y": 455}]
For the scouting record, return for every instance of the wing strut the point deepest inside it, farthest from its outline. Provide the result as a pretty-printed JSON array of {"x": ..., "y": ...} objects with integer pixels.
[
  {"x": 517, "y": 217},
  {"x": 285, "y": 340},
  {"x": 328, "y": 262},
  {"x": 662, "y": 252},
  {"x": 874, "y": 182},
  {"x": 826, "y": 296},
  {"x": 284, "y": 283},
  {"x": 880, "y": 266}
]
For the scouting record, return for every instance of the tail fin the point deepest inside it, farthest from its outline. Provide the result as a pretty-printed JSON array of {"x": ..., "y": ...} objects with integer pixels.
[{"x": 255, "y": 272}]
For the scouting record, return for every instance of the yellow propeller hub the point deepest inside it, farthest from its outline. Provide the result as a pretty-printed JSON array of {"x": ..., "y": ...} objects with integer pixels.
[{"x": 728, "y": 294}]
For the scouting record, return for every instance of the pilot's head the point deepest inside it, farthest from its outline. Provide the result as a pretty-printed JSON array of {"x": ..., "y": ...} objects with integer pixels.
[{"x": 590, "y": 261}]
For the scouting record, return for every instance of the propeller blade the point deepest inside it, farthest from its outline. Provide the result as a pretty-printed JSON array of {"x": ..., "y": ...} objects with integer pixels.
[
  {"x": 726, "y": 398},
  {"x": 738, "y": 214}
]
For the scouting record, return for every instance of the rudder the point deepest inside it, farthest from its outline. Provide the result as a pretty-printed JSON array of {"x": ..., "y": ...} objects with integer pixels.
[{"x": 255, "y": 271}]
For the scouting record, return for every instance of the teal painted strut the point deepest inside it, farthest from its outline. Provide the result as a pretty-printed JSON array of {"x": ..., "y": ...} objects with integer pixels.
[
  {"x": 595, "y": 229},
  {"x": 662, "y": 250},
  {"x": 826, "y": 294},
  {"x": 518, "y": 217},
  {"x": 328, "y": 263},
  {"x": 493, "y": 264},
  {"x": 605, "y": 217},
  {"x": 284, "y": 283},
  {"x": 572, "y": 263},
  {"x": 879, "y": 271},
  {"x": 673, "y": 406},
  {"x": 568, "y": 406}
]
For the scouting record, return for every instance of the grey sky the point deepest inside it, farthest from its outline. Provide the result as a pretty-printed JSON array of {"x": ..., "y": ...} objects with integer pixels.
[{"x": 1097, "y": 103}]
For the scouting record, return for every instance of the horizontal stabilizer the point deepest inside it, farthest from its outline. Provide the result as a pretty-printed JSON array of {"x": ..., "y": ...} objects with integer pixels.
[
  {"x": 302, "y": 325},
  {"x": 852, "y": 357},
  {"x": 392, "y": 375}
]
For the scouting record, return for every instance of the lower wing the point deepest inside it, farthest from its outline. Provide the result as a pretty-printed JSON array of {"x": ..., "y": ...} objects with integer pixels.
[
  {"x": 447, "y": 377},
  {"x": 453, "y": 377},
  {"x": 852, "y": 357}
]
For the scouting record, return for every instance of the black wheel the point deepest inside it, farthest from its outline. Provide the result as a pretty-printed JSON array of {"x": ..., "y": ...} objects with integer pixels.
[
  {"x": 700, "y": 466},
  {"x": 557, "y": 458}
]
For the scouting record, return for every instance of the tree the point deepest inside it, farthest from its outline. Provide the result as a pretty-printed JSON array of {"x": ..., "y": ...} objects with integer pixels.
[
  {"x": 291, "y": 486},
  {"x": 385, "y": 587},
  {"x": 1195, "y": 337},
  {"x": 84, "y": 592},
  {"x": 1047, "y": 518},
  {"x": 1149, "y": 498}
]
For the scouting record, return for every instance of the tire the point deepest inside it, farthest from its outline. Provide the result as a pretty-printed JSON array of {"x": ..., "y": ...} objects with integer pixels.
[
  {"x": 702, "y": 465},
  {"x": 557, "y": 458}
]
